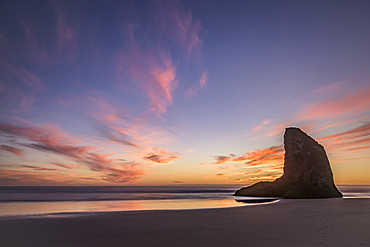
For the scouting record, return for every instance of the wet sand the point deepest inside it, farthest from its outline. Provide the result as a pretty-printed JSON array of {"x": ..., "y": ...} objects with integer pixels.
[{"x": 323, "y": 222}]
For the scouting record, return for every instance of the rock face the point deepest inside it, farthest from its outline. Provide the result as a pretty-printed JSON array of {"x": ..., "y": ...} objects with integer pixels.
[{"x": 307, "y": 172}]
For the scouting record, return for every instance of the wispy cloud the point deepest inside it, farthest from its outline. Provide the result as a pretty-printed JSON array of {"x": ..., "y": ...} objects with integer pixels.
[
  {"x": 222, "y": 158},
  {"x": 52, "y": 140},
  {"x": 179, "y": 25},
  {"x": 152, "y": 70},
  {"x": 217, "y": 176},
  {"x": 13, "y": 150},
  {"x": 32, "y": 80},
  {"x": 147, "y": 59},
  {"x": 69, "y": 167},
  {"x": 202, "y": 83},
  {"x": 112, "y": 126},
  {"x": 162, "y": 85},
  {"x": 331, "y": 87},
  {"x": 268, "y": 162},
  {"x": 118, "y": 125},
  {"x": 274, "y": 155},
  {"x": 261, "y": 126},
  {"x": 160, "y": 156},
  {"x": 348, "y": 142},
  {"x": 66, "y": 36},
  {"x": 117, "y": 136},
  {"x": 19, "y": 88},
  {"x": 346, "y": 105},
  {"x": 37, "y": 168},
  {"x": 179, "y": 182},
  {"x": 64, "y": 43},
  {"x": 11, "y": 177},
  {"x": 33, "y": 176}
]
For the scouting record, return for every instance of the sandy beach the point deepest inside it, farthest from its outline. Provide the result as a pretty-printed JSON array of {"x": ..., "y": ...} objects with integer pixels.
[{"x": 322, "y": 222}]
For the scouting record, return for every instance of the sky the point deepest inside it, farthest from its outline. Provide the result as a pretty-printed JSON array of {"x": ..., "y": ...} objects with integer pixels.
[{"x": 180, "y": 92}]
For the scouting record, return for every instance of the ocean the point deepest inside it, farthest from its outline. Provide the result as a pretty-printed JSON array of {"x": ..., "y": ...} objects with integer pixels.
[{"x": 44, "y": 200}]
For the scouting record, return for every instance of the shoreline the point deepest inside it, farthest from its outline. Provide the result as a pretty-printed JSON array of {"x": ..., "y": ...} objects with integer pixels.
[
  {"x": 9, "y": 209},
  {"x": 92, "y": 213},
  {"x": 303, "y": 222}
]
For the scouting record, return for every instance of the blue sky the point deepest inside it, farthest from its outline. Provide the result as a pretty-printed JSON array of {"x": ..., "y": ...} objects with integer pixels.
[{"x": 171, "y": 92}]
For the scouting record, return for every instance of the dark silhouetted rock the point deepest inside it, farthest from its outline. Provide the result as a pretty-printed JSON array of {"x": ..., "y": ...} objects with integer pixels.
[{"x": 307, "y": 172}]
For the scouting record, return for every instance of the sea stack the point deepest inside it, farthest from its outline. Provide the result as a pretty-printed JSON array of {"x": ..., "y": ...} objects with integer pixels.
[{"x": 307, "y": 172}]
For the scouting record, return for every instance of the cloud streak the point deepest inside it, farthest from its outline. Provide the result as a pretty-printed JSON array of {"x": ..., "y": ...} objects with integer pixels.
[
  {"x": 348, "y": 142},
  {"x": 36, "y": 168},
  {"x": 269, "y": 162},
  {"x": 271, "y": 155},
  {"x": 148, "y": 61},
  {"x": 345, "y": 105},
  {"x": 202, "y": 83},
  {"x": 119, "y": 126},
  {"x": 153, "y": 71},
  {"x": 66, "y": 36},
  {"x": 52, "y": 140},
  {"x": 160, "y": 156},
  {"x": 180, "y": 26},
  {"x": 13, "y": 150}
]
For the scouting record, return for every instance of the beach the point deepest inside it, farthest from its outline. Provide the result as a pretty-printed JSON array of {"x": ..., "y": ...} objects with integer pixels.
[{"x": 311, "y": 222}]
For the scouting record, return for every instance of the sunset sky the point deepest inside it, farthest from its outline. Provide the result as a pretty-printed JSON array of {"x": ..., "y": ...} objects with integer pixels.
[{"x": 180, "y": 92}]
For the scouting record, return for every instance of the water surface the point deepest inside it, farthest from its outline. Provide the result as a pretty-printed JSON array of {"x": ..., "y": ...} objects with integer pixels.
[{"x": 30, "y": 200}]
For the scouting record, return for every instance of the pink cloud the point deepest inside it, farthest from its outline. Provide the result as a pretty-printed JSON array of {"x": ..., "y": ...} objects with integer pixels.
[
  {"x": 67, "y": 38},
  {"x": 203, "y": 79},
  {"x": 261, "y": 126},
  {"x": 25, "y": 102},
  {"x": 65, "y": 43},
  {"x": 69, "y": 167},
  {"x": 348, "y": 104},
  {"x": 332, "y": 87},
  {"x": 348, "y": 142},
  {"x": 202, "y": 83},
  {"x": 112, "y": 125},
  {"x": 162, "y": 85},
  {"x": 13, "y": 150},
  {"x": 15, "y": 96},
  {"x": 118, "y": 125},
  {"x": 270, "y": 162},
  {"x": 39, "y": 168},
  {"x": 330, "y": 125},
  {"x": 147, "y": 61},
  {"x": 160, "y": 156},
  {"x": 180, "y": 26},
  {"x": 154, "y": 73},
  {"x": 20, "y": 74},
  {"x": 32, "y": 80},
  {"x": 52, "y": 140},
  {"x": 345, "y": 105},
  {"x": 272, "y": 155}
]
